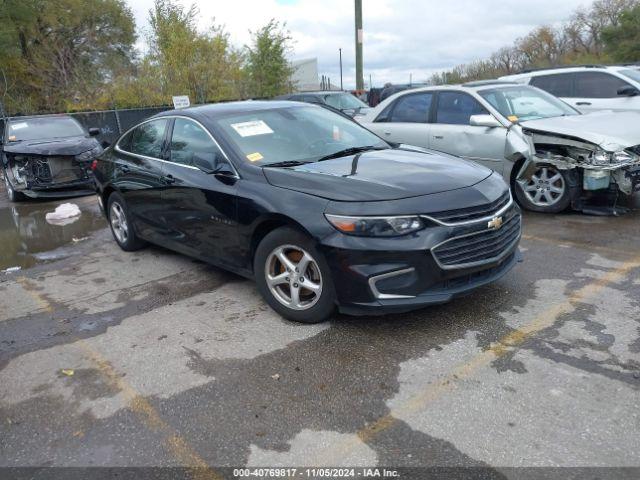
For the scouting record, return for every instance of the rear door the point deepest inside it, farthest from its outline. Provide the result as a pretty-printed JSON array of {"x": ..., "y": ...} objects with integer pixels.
[
  {"x": 199, "y": 208},
  {"x": 451, "y": 132},
  {"x": 139, "y": 176},
  {"x": 595, "y": 91},
  {"x": 405, "y": 120}
]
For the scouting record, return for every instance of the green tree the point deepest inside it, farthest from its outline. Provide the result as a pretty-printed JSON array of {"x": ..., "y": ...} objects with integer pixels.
[
  {"x": 59, "y": 54},
  {"x": 202, "y": 65},
  {"x": 267, "y": 68},
  {"x": 622, "y": 41}
]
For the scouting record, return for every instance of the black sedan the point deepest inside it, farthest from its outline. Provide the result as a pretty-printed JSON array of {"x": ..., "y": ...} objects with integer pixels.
[
  {"x": 47, "y": 156},
  {"x": 318, "y": 210},
  {"x": 342, "y": 101}
]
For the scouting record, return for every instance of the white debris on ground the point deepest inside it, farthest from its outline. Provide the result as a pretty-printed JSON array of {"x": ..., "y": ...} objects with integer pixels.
[
  {"x": 64, "y": 214},
  {"x": 11, "y": 269}
]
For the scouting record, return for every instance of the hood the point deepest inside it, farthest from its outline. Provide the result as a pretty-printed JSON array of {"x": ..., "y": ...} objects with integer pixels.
[
  {"x": 611, "y": 131},
  {"x": 55, "y": 146},
  {"x": 379, "y": 175}
]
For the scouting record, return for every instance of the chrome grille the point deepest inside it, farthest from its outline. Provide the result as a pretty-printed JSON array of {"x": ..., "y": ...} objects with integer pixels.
[
  {"x": 478, "y": 248},
  {"x": 470, "y": 214}
]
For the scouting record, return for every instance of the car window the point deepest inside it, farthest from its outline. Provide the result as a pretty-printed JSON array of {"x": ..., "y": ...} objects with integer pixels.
[
  {"x": 560, "y": 84},
  {"x": 147, "y": 139},
  {"x": 522, "y": 102},
  {"x": 412, "y": 108},
  {"x": 598, "y": 85},
  {"x": 343, "y": 101},
  {"x": 189, "y": 139},
  {"x": 632, "y": 74},
  {"x": 38, "y": 128},
  {"x": 456, "y": 108}
]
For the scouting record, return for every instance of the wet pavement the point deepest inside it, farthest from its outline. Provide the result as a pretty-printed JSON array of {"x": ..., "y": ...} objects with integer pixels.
[{"x": 176, "y": 363}]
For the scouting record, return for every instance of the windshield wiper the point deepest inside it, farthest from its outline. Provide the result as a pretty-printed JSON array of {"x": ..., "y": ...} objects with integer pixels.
[
  {"x": 350, "y": 151},
  {"x": 286, "y": 163}
]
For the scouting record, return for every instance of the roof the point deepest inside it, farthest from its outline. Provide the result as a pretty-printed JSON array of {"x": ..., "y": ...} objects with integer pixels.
[
  {"x": 484, "y": 83},
  {"x": 219, "y": 109},
  {"x": 534, "y": 72}
]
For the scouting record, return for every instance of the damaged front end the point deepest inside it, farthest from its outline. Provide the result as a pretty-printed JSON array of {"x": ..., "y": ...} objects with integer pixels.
[
  {"x": 593, "y": 172},
  {"x": 51, "y": 175}
]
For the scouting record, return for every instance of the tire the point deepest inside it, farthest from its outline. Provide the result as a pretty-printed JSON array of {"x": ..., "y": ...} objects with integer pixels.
[
  {"x": 547, "y": 191},
  {"x": 11, "y": 193},
  {"x": 121, "y": 224},
  {"x": 313, "y": 305}
]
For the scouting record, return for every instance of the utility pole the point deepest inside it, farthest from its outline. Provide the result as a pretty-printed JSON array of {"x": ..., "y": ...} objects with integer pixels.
[
  {"x": 359, "y": 35},
  {"x": 341, "y": 69}
]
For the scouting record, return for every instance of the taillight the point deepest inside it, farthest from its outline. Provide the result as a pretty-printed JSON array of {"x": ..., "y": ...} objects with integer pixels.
[{"x": 94, "y": 165}]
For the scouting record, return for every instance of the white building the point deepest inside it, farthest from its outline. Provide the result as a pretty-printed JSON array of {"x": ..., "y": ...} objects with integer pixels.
[{"x": 305, "y": 74}]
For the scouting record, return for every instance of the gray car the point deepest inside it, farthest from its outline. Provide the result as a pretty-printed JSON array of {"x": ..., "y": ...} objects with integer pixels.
[{"x": 553, "y": 156}]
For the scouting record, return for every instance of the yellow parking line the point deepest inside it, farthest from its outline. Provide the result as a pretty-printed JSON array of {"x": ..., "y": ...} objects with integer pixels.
[
  {"x": 30, "y": 289},
  {"x": 580, "y": 245},
  {"x": 501, "y": 347},
  {"x": 175, "y": 444}
]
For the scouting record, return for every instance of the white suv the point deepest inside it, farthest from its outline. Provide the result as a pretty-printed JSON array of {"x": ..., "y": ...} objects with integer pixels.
[{"x": 588, "y": 88}]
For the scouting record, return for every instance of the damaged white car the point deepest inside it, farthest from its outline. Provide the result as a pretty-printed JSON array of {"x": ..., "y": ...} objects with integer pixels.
[{"x": 553, "y": 156}]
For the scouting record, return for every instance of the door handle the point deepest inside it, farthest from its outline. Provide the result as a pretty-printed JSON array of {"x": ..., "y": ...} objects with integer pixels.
[
  {"x": 169, "y": 179},
  {"x": 583, "y": 103},
  {"x": 387, "y": 133},
  {"x": 124, "y": 168},
  {"x": 438, "y": 137}
]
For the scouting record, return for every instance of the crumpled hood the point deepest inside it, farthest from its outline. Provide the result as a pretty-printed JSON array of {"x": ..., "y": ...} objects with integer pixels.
[
  {"x": 611, "y": 131},
  {"x": 379, "y": 175},
  {"x": 55, "y": 146}
]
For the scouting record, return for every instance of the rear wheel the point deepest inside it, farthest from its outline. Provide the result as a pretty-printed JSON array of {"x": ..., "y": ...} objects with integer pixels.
[
  {"x": 546, "y": 191},
  {"x": 293, "y": 277},
  {"x": 121, "y": 226}
]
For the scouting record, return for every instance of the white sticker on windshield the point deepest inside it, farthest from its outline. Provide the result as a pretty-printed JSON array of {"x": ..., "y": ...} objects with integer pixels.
[
  {"x": 250, "y": 129},
  {"x": 19, "y": 126}
]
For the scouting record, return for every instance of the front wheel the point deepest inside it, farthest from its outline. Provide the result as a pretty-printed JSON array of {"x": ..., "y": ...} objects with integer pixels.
[
  {"x": 293, "y": 277},
  {"x": 11, "y": 193},
  {"x": 546, "y": 191},
  {"x": 121, "y": 225}
]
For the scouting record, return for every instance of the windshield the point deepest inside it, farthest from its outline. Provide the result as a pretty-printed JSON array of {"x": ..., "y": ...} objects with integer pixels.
[
  {"x": 344, "y": 101},
  {"x": 526, "y": 103},
  {"x": 632, "y": 74},
  {"x": 293, "y": 134},
  {"x": 41, "y": 128}
]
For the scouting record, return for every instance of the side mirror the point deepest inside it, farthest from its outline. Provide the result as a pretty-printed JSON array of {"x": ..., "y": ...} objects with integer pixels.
[
  {"x": 628, "y": 91},
  {"x": 206, "y": 161},
  {"x": 488, "y": 121},
  {"x": 94, "y": 132}
]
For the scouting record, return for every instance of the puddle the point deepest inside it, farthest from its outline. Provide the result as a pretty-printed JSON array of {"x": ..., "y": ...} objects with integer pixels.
[{"x": 27, "y": 239}]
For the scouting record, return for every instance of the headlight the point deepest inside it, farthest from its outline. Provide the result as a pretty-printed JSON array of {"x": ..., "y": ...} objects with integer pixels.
[
  {"x": 600, "y": 157},
  {"x": 376, "y": 226}
]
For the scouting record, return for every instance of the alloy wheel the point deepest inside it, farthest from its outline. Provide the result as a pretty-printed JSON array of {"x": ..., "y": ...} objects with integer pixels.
[
  {"x": 119, "y": 223},
  {"x": 293, "y": 277},
  {"x": 545, "y": 188}
]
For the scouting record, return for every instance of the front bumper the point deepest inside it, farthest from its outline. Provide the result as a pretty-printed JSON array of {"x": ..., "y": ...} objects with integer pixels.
[
  {"x": 394, "y": 275},
  {"x": 77, "y": 188}
]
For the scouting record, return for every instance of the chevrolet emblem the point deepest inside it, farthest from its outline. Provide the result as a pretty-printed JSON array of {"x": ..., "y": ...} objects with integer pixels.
[{"x": 495, "y": 223}]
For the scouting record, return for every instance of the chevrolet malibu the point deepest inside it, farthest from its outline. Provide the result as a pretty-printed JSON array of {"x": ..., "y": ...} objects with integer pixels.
[{"x": 319, "y": 211}]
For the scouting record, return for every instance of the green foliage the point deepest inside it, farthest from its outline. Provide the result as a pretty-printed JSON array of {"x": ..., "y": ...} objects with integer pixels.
[
  {"x": 622, "y": 41},
  {"x": 268, "y": 71},
  {"x": 57, "y": 54},
  {"x": 61, "y": 55}
]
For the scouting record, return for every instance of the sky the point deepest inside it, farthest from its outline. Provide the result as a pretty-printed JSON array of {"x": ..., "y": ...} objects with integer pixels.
[{"x": 401, "y": 37}]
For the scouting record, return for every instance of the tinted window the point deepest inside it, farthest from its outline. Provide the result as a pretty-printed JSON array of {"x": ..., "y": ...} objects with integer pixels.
[
  {"x": 559, "y": 85},
  {"x": 455, "y": 108},
  {"x": 412, "y": 108},
  {"x": 598, "y": 85},
  {"x": 147, "y": 139},
  {"x": 190, "y": 139}
]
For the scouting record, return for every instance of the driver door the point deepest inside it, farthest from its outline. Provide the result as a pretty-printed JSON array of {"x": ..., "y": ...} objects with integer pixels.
[
  {"x": 451, "y": 132},
  {"x": 200, "y": 208}
]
